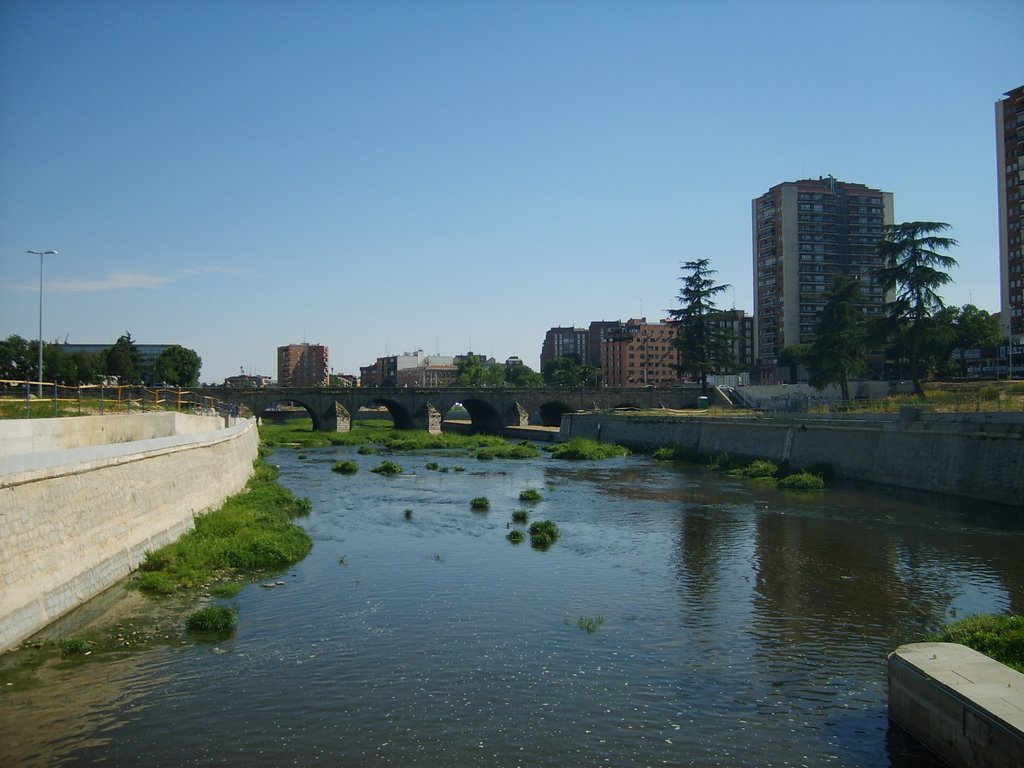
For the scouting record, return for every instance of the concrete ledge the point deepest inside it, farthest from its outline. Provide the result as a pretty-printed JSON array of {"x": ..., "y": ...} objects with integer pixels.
[{"x": 962, "y": 705}]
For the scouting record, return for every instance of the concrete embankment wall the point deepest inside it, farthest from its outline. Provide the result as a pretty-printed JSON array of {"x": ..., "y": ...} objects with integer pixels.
[
  {"x": 965, "y": 707},
  {"x": 74, "y": 521},
  {"x": 978, "y": 456}
]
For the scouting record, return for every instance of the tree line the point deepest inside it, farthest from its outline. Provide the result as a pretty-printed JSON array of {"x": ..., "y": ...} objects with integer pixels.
[
  {"x": 121, "y": 362},
  {"x": 913, "y": 338}
]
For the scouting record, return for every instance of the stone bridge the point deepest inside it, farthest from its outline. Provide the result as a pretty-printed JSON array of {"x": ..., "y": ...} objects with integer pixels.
[{"x": 491, "y": 409}]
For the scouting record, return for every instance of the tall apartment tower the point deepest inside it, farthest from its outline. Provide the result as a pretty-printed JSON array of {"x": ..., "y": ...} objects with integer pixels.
[
  {"x": 302, "y": 365},
  {"x": 806, "y": 233},
  {"x": 1010, "y": 157}
]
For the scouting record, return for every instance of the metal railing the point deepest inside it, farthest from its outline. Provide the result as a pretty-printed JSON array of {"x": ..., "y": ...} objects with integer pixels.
[{"x": 20, "y": 399}]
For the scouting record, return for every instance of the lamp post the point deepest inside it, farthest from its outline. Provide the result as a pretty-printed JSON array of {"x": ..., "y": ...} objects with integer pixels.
[{"x": 40, "y": 254}]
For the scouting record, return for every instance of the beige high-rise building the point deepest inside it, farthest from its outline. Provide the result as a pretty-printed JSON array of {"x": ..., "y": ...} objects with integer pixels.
[
  {"x": 805, "y": 234},
  {"x": 1010, "y": 159}
]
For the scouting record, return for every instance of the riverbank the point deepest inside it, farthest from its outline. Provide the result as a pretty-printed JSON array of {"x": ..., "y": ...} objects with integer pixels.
[
  {"x": 976, "y": 456},
  {"x": 85, "y": 498}
]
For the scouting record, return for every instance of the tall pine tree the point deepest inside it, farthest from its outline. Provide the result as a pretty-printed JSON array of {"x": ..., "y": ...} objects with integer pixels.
[{"x": 703, "y": 340}]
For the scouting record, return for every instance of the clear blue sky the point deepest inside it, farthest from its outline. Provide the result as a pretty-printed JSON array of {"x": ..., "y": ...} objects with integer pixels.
[{"x": 234, "y": 175}]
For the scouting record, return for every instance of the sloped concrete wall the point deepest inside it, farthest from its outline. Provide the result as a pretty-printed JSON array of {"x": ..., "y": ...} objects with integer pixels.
[
  {"x": 74, "y": 522},
  {"x": 23, "y": 436},
  {"x": 973, "y": 456}
]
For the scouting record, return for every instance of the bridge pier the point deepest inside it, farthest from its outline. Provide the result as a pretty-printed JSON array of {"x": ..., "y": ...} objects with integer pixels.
[
  {"x": 336, "y": 419},
  {"x": 428, "y": 418}
]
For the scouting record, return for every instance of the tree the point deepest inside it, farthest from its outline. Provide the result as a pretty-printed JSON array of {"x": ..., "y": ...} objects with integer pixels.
[
  {"x": 17, "y": 359},
  {"x": 569, "y": 371},
  {"x": 793, "y": 357},
  {"x": 122, "y": 360},
  {"x": 178, "y": 366},
  {"x": 914, "y": 268},
  {"x": 521, "y": 375},
  {"x": 473, "y": 372},
  {"x": 703, "y": 341},
  {"x": 840, "y": 349}
]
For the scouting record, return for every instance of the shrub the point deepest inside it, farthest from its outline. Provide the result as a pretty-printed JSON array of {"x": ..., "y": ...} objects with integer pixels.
[
  {"x": 543, "y": 534},
  {"x": 366, "y": 450},
  {"x": 520, "y": 516},
  {"x": 212, "y": 618},
  {"x": 433, "y": 465},
  {"x": 388, "y": 468},
  {"x": 530, "y": 494},
  {"x": 71, "y": 646},
  {"x": 156, "y": 560},
  {"x": 516, "y": 536},
  {"x": 582, "y": 449},
  {"x": 997, "y": 636},
  {"x": 347, "y": 467},
  {"x": 480, "y": 503},
  {"x": 756, "y": 468},
  {"x": 802, "y": 481}
]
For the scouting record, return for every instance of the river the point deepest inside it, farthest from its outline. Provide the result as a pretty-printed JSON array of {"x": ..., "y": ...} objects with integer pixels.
[{"x": 731, "y": 624}]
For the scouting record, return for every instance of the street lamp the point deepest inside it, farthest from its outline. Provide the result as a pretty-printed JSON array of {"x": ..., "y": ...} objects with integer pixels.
[{"x": 40, "y": 254}]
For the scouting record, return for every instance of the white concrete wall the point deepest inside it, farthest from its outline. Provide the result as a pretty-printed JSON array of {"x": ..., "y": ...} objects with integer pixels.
[
  {"x": 75, "y": 521},
  {"x": 24, "y": 436}
]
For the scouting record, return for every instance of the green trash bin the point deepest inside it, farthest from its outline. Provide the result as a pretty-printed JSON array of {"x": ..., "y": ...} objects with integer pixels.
[{"x": 702, "y": 402}]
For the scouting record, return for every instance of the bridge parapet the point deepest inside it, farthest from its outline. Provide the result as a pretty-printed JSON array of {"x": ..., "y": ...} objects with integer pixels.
[{"x": 490, "y": 408}]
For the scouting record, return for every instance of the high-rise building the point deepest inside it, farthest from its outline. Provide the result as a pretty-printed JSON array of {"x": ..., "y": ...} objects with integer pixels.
[
  {"x": 302, "y": 365},
  {"x": 806, "y": 233},
  {"x": 1010, "y": 157},
  {"x": 562, "y": 342}
]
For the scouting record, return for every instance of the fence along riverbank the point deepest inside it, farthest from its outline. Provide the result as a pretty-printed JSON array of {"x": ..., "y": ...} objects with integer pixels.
[{"x": 976, "y": 456}]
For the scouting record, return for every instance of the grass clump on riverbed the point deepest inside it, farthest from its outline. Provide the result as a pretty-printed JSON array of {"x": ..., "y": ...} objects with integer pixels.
[
  {"x": 761, "y": 470},
  {"x": 212, "y": 618},
  {"x": 543, "y": 533},
  {"x": 583, "y": 449},
  {"x": 251, "y": 533},
  {"x": 347, "y": 467},
  {"x": 388, "y": 467},
  {"x": 1000, "y": 637}
]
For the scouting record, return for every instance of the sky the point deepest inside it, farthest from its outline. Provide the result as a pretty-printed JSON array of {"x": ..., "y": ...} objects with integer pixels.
[{"x": 382, "y": 177}]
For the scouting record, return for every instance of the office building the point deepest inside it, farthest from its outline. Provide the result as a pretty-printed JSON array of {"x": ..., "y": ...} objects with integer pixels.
[
  {"x": 302, "y": 365},
  {"x": 805, "y": 234},
  {"x": 1010, "y": 159}
]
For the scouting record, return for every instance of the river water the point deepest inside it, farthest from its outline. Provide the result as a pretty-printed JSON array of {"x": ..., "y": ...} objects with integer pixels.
[{"x": 736, "y": 625}]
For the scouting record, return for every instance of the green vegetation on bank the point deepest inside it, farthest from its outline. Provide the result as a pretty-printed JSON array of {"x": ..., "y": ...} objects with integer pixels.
[
  {"x": 584, "y": 449},
  {"x": 251, "y": 533},
  {"x": 1000, "y": 637},
  {"x": 761, "y": 470}
]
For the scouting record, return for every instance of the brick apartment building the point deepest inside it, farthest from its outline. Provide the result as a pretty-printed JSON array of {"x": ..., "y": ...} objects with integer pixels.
[
  {"x": 302, "y": 365},
  {"x": 1010, "y": 159}
]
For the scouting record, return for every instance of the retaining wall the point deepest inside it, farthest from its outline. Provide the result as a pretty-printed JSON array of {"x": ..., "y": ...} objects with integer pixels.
[
  {"x": 74, "y": 521},
  {"x": 978, "y": 456},
  {"x": 965, "y": 707}
]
